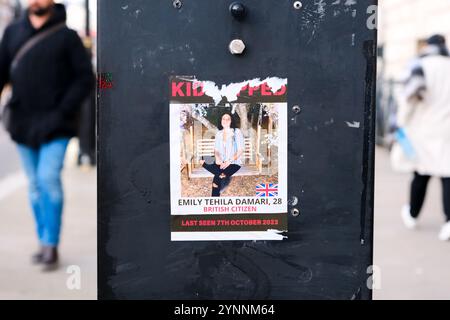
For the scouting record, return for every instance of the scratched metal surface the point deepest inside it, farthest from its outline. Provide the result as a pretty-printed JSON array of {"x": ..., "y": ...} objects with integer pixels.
[{"x": 327, "y": 53}]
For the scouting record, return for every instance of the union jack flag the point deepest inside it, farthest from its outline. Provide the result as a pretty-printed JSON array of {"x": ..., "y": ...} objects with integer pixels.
[{"x": 267, "y": 190}]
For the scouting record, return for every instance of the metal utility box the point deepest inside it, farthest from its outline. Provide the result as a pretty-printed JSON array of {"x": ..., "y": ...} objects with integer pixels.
[{"x": 236, "y": 149}]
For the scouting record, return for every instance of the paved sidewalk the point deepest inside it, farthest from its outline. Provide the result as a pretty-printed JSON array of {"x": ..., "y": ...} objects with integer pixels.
[
  {"x": 21, "y": 280},
  {"x": 414, "y": 264}
]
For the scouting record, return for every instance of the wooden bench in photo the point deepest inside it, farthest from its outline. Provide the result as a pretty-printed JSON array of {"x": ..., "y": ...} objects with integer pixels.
[{"x": 205, "y": 148}]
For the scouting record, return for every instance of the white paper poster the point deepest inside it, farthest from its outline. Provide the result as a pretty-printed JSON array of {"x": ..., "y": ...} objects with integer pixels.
[{"x": 228, "y": 170}]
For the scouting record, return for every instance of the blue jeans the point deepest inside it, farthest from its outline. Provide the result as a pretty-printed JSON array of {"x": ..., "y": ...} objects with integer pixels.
[{"x": 43, "y": 168}]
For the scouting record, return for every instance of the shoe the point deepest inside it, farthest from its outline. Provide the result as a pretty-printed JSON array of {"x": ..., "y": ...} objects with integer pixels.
[
  {"x": 37, "y": 257},
  {"x": 409, "y": 221},
  {"x": 49, "y": 259},
  {"x": 444, "y": 235}
]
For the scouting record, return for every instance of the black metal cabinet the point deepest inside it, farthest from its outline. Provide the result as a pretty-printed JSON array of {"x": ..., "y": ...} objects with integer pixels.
[{"x": 327, "y": 51}]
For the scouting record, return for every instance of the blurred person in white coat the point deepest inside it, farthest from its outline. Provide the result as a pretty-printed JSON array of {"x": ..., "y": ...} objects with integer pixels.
[{"x": 424, "y": 120}]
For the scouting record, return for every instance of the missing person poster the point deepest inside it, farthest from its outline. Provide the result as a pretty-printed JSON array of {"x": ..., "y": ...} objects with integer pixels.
[{"x": 228, "y": 167}]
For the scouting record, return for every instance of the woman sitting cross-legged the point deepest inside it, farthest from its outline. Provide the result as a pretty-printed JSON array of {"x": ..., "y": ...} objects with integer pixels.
[{"x": 229, "y": 146}]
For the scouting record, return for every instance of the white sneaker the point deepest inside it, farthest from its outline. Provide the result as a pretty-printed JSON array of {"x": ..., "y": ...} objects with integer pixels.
[
  {"x": 408, "y": 220},
  {"x": 444, "y": 235}
]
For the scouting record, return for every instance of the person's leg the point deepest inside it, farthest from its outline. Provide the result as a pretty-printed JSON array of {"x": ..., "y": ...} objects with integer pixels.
[
  {"x": 51, "y": 160},
  {"x": 446, "y": 197},
  {"x": 216, "y": 184},
  {"x": 230, "y": 170},
  {"x": 226, "y": 176},
  {"x": 29, "y": 158},
  {"x": 213, "y": 168},
  {"x": 417, "y": 195},
  {"x": 444, "y": 234},
  {"x": 216, "y": 171}
]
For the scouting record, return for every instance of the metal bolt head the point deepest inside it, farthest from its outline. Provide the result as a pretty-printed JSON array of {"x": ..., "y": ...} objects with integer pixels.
[
  {"x": 238, "y": 10},
  {"x": 298, "y": 5},
  {"x": 177, "y": 4},
  {"x": 237, "y": 46},
  {"x": 295, "y": 212},
  {"x": 293, "y": 201},
  {"x": 296, "y": 109}
]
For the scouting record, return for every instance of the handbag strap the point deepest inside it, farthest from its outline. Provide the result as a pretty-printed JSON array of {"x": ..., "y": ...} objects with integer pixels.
[{"x": 30, "y": 43}]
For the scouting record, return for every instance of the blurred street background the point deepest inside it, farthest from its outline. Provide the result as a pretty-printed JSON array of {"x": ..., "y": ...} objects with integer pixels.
[
  {"x": 412, "y": 264},
  {"x": 19, "y": 279}
]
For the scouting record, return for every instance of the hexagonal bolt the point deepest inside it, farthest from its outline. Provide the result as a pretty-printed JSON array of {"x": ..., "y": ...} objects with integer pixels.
[{"x": 237, "y": 46}]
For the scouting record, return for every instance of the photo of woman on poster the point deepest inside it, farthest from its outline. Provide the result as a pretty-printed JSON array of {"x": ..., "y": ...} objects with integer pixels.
[
  {"x": 228, "y": 150},
  {"x": 235, "y": 143},
  {"x": 228, "y": 160}
]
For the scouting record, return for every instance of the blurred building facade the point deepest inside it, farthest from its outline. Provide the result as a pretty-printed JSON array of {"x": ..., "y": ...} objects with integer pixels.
[
  {"x": 8, "y": 8},
  {"x": 76, "y": 14},
  {"x": 403, "y": 24}
]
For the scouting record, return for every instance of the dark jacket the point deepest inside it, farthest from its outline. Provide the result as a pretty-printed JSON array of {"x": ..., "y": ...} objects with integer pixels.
[{"x": 49, "y": 83}]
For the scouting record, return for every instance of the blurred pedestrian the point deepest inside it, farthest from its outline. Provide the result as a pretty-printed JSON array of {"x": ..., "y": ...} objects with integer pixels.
[
  {"x": 51, "y": 74},
  {"x": 424, "y": 137}
]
